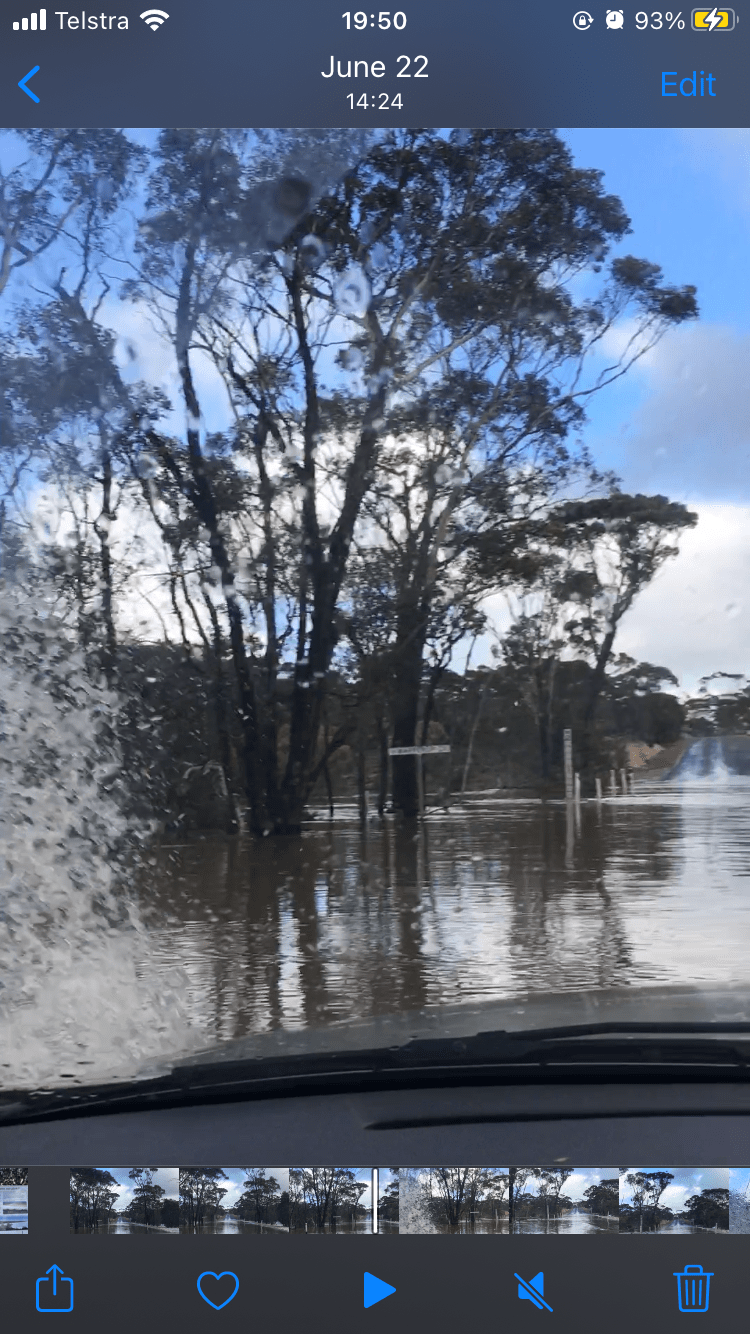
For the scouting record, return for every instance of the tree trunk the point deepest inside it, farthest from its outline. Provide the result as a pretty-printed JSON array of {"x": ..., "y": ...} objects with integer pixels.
[
  {"x": 598, "y": 676},
  {"x": 406, "y": 690},
  {"x": 102, "y": 528},
  {"x": 259, "y": 761},
  {"x": 383, "y": 749},
  {"x": 472, "y": 736}
]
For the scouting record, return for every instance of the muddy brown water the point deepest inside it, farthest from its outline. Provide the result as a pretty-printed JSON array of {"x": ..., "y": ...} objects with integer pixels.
[{"x": 479, "y": 904}]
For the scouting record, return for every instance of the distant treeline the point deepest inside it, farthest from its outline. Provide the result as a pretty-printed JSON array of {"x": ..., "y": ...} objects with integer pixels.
[{"x": 178, "y": 778}]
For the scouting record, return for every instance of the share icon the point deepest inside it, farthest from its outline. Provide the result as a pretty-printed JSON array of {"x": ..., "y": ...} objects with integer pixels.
[{"x": 533, "y": 1291}]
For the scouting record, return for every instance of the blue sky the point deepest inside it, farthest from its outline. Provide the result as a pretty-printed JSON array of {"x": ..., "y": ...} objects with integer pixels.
[
  {"x": 166, "y": 1177},
  {"x": 679, "y": 422},
  {"x": 688, "y": 196}
]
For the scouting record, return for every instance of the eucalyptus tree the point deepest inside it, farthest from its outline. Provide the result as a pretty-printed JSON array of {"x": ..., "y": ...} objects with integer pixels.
[
  {"x": 426, "y": 296},
  {"x": 621, "y": 542},
  {"x": 588, "y": 561}
]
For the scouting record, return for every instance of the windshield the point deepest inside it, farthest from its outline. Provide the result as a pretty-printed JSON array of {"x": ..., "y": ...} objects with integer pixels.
[{"x": 374, "y": 542}]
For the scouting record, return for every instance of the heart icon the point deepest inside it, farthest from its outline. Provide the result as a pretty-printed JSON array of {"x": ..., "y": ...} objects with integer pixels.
[{"x": 208, "y": 1276}]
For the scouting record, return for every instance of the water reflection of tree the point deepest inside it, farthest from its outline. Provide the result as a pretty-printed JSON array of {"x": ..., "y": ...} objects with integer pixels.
[
  {"x": 276, "y": 932},
  {"x": 567, "y": 924}
]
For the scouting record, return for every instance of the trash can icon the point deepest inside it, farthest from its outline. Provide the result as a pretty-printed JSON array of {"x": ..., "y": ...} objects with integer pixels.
[{"x": 692, "y": 1288}]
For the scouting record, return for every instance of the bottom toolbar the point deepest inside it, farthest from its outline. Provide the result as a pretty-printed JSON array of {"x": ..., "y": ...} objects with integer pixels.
[{"x": 327, "y": 1285}]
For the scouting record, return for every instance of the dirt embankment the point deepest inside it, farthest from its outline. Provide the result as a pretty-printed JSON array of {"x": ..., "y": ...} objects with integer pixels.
[{"x": 650, "y": 761}]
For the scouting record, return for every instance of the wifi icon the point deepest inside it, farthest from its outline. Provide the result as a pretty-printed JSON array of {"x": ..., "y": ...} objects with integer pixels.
[{"x": 154, "y": 18}]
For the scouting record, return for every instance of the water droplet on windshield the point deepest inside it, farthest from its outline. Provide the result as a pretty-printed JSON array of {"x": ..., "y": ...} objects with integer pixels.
[
  {"x": 351, "y": 292},
  {"x": 312, "y": 251},
  {"x": 352, "y": 358}
]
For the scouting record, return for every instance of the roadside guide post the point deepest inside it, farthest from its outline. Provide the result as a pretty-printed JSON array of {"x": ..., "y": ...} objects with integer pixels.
[{"x": 568, "y": 750}]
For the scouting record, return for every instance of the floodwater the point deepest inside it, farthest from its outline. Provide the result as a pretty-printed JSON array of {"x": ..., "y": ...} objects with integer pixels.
[
  {"x": 121, "y": 1226},
  {"x": 576, "y": 1223},
  {"x": 482, "y": 903},
  {"x": 234, "y": 1226},
  {"x": 677, "y": 1228},
  {"x": 343, "y": 1227},
  {"x": 573, "y": 1224}
]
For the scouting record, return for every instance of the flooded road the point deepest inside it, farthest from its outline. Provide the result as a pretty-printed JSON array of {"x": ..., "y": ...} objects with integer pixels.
[
  {"x": 498, "y": 898},
  {"x": 121, "y": 1227},
  {"x": 233, "y": 1226},
  {"x": 575, "y": 1223}
]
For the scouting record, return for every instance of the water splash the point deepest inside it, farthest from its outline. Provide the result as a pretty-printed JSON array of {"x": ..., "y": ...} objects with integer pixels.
[
  {"x": 717, "y": 761},
  {"x": 739, "y": 1211},
  {"x": 414, "y": 1201},
  {"x": 78, "y": 998}
]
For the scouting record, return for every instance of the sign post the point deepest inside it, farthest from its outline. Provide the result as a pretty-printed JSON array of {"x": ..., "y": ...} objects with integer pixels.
[{"x": 418, "y": 752}]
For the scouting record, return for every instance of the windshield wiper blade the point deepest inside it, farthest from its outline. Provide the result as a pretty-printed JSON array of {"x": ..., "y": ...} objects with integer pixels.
[{"x": 592, "y": 1053}]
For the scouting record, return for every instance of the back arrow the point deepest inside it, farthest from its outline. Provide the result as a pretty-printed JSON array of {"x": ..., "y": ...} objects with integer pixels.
[{"x": 22, "y": 83}]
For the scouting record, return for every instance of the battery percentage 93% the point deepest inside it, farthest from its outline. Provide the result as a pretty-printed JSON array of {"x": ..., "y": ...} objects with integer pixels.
[{"x": 657, "y": 20}]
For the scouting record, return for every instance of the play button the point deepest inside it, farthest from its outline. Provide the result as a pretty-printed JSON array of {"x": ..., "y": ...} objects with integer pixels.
[{"x": 376, "y": 1289}]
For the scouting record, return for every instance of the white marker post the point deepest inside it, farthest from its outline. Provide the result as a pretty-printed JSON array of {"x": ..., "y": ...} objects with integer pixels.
[
  {"x": 418, "y": 752},
  {"x": 568, "y": 752}
]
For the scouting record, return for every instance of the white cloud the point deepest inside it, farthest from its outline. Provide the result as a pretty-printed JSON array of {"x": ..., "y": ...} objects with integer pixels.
[{"x": 695, "y": 616}]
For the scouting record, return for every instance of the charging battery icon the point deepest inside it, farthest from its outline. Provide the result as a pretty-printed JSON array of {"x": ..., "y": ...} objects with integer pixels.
[{"x": 713, "y": 20}]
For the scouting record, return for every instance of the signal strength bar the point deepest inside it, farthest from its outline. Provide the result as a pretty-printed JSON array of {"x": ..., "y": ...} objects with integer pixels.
[{"x": 32, "y": 23}]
